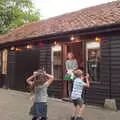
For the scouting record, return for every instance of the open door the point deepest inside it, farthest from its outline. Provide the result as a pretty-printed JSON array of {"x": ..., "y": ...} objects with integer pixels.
[{"x": 78, "y": 51}]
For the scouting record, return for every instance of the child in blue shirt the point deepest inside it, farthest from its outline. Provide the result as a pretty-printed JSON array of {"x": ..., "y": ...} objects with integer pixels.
[{"x": 76, "y": 95}]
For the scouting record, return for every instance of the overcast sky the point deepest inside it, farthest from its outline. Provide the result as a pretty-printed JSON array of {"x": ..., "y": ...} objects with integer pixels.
[{"x": 51, "y": 8}]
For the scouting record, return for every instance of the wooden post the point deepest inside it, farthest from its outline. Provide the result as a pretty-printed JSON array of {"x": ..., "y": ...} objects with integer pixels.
[{"x": 64, "y": 82}]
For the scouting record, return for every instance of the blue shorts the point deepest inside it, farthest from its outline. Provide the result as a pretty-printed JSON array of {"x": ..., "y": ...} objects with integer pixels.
[{"x": 39, "y": 109}]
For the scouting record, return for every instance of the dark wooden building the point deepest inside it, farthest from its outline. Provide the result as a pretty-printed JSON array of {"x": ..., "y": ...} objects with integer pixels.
[{"x": 46, "y": 44}]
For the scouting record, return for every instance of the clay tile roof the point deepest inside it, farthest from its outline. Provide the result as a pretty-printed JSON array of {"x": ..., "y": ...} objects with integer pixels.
[{"x": 96, "y": 16}]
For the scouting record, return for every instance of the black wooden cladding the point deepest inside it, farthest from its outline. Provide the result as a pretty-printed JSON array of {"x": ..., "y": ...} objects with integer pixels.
[
  {"x": 97, "y": 94},
  {"x": 99, "y": 91},
  {"x": 45, "y": 58},
  {"x": 115, "y": 68},
  {"x": 21, "y": 65},
  {"x": 56, "y": 89},
  {"x": 107, "y": 87},
  {"x": 11, "y": 69}
]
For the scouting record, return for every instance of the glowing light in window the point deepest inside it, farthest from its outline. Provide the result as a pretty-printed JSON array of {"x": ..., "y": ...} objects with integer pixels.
[{"x": 56, "y": 48}]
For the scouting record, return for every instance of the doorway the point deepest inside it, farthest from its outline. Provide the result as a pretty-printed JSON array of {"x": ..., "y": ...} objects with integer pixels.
[{"x": 77, "y": 49}]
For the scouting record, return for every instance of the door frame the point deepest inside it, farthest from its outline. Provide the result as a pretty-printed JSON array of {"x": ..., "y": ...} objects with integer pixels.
[{"x": 65, "y": 45}]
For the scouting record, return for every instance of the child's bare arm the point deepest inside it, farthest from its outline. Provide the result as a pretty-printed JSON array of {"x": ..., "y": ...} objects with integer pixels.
[
  {"x": 87, "y": 81},
  {"x": 50, "y": 79},
  {"x": 30, "y": 80}
]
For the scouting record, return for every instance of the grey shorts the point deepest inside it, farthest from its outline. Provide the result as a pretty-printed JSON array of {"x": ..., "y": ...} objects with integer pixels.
[{"x": 78, "y": 101}]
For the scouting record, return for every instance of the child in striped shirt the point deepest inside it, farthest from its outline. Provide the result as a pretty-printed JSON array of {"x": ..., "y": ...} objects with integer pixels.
[{"x": 76, "y": 95}]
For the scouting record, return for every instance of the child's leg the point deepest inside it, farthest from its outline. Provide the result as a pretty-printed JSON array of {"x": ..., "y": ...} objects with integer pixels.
[
  {"x": 74, "y": 111},
  {"x": 69, "y": 88},
  {"x": 81, "y": 110},
  {"x": 80, "y": 107},
  {"x": 74, "y": 114},
  {"x": 44, "y": 111}
]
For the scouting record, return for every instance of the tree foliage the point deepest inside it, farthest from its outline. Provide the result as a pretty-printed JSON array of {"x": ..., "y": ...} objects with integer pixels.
[{"x": 15, "y": 13}]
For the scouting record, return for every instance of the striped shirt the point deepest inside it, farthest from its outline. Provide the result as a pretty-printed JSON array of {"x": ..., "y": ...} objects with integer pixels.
[{"x": 77, "y": 88}]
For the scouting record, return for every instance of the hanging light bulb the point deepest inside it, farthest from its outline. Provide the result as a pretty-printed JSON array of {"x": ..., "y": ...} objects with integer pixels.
[
  {"x": 29, "y": 46},
  {"x": 98, "y": 39},
  {"x": 12, "y": 48},
  {"x": 55, "y": 43},
  {"x": 72, "y": 38},
  {"x": 18, "y": 49}
]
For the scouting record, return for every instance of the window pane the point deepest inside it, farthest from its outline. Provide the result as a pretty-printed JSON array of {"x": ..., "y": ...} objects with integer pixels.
[
  {"x": 57, "y": 62},
  {"x": 93, "y": 61},
  {"x": 57, "y": 58},
  {"x": 4, "y": 62},
  {"x": 57, "y": 72},
  {"x": 0, "y": 62}
]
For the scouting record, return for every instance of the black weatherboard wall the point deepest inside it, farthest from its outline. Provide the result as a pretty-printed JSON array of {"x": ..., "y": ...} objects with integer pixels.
[
  {"x": 109, "y": 84},
  {"x": 99, "y": 90},
  {"x": 11, "y": 69},
  {"x": 45, "y": 61},
  {"x": 45, "y": 58},
  {"x": 115, "y": 68},
  {"x": 55, "y": 90},
  {"x": 107, "y": 87},
  {"x": 21, "y": 65}
]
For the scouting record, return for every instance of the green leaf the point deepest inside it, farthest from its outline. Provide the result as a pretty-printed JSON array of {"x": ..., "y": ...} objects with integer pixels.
[{"x": 15, "y": 13}]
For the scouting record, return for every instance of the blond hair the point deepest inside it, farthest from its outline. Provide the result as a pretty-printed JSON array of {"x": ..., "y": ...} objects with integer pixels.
[
  {"x": 40, "y": 77},
  {"x": 78, "y": 73},
  {"x": 70, "y": 53}
]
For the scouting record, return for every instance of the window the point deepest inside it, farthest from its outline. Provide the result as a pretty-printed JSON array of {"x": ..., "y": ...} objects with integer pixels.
[
  {"x": 0, "y": 62},
  {"x": 93, "y": 60},
  {"x": 4, "y": 61},
  {"x": 57, "y": 62}
]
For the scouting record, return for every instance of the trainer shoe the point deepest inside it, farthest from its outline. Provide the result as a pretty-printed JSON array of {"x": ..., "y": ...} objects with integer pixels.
[
  {"x": 72, "y": 118},
  {"x": 79, "y": 118}
]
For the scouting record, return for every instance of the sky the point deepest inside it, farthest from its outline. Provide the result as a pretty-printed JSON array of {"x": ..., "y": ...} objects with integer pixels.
[{"x": 51, "y": 8}]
